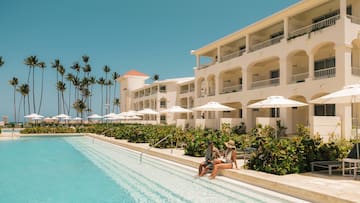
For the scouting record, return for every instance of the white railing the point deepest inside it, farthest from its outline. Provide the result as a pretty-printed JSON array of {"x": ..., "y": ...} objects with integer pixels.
[
  {"x": 314, "y": 27},
  {"x": 265, "y": 83},
  {"x": 354, "y": 19},
  {"x": 266, "y": 43},
  {"x": 325, "y": 73},
  {"x": 205, "y": 65},
  {"x": 229, "y": 89},
  {"x": 355, "y": 70},
  {"x": 184, "y": 91},
  {"x": 299, "y": 77},
  {"x": 232, "y": 55}
]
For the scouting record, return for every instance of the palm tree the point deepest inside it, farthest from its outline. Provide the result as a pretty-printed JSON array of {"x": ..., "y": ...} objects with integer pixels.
[
  {"x": 76, "y": 82},
  {"x": 92, "y": 82},
  {"x": 79, "y": 105},
  {"x": 14, "y": 82},
  {"x": 1, "y": 61},
  {"x": 106, "y": 69},
  {"x": 41, "y": 65},
  {"x": 156, "y": 77},
  {"x": 69, "y": 77},
  {"x": 101, "y": 82},
  {"x": 56, "y": 64},
  {"x": 85, "y": 59},
  {"x": 61, "y": 87},
  {"x": 116, "y": 103},
  {"x": 76, "y": 66},
  {"x": 24, "y": 91},
  {"x": 32, "y": 62},
  {"x": 115, "y": 75},
  {"x": 87, "y": 70},
  {"x": 109, "y": 83}
]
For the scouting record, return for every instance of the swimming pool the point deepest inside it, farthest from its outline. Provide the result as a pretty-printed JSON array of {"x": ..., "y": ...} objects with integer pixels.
[{"x": 77, "y": 169}]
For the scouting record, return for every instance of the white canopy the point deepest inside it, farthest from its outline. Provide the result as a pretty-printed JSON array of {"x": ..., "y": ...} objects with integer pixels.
[
  {"x": 34, "y": 116},
  {"x": 276, "y": 102},
  {"x": 213, "y": 106},
  {"x": 176, "y": 109},
  {"x": 148, "y": 111},
  {"x": 349, "y": 94},
  {"x": 94, "y": 116},
  {"x": 62, "y": 116}
]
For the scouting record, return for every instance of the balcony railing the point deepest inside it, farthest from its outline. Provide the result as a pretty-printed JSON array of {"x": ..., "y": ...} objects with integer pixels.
[
  {"x": 202, "y": 66},
  {"x": 325, "y": 73},
  {"x": 265, "y": 83},
  {"x": 184, "y": 91},
  {"x": 232, "y": 55},
  {"x": 354, "y": 19},
  {"x": 355, "y": 70},
  {"x": 229, "y": 89},
  {"x": 314, "y": 27},
  {"x": 266, "y": 43},
  {"x": 299, "y": 77}
]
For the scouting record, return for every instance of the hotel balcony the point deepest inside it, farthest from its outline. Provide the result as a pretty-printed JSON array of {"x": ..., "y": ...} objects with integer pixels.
[
  {"x": 267, "y": 37},
  {"x": 355, "y": 70},
  {"x": 230, "y": 89},
  {"x": 299, "y": 77},
  {"x": 233, "y": 49},
  {"x": 265, "y": 83}
]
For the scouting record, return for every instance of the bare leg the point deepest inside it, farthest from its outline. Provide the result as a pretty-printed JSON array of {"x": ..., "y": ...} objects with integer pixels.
[{"x": 220, "y": 166}]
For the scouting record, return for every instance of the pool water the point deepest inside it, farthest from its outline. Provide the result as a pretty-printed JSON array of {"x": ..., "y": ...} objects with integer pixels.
[
  {"x": 52, "y": 170},
  {"x": 81, "y": 169}
]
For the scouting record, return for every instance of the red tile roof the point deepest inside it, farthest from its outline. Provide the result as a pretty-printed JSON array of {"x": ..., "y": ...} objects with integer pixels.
[{"x": 135, "y": 73}]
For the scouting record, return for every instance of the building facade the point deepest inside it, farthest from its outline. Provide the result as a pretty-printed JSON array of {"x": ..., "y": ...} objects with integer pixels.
[{"x": 303, "y": 52}]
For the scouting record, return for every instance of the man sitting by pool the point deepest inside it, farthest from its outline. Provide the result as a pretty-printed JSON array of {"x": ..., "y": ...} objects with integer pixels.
[{"x": 211, "y": 154}]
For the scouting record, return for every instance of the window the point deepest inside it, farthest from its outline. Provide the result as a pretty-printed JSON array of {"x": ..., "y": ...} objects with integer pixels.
[
  {"x": 324, "y": 109},
  {"x": 162, "y": 88},
  {"x": 163, "y": 103},
  {"x": 275, "y": 112}
]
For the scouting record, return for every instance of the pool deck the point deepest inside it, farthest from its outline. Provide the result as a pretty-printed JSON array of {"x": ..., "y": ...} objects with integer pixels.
[{"x": 314, "y": 187}]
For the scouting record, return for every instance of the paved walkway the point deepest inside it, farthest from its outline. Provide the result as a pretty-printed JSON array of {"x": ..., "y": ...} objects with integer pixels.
[{"x": 314, "y": 187}]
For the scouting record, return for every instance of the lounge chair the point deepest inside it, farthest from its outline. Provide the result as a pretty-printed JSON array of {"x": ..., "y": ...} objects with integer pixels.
[{"x": 330, "y": 165}]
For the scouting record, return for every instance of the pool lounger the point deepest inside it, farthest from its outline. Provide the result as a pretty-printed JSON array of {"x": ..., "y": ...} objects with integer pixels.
[{"x": 330, "y": 165}]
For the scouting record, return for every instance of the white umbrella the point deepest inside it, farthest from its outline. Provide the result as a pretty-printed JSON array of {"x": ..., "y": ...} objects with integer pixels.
[
  {"x": 276, "y": 102},
  {"x": 349, "y": 94},
  {"x": 129, "y": 113},
  {"x": 33, "y": 116},
  {"x": 148, "y": 111},
  {"x": 110, "y": 115},
  {"x": 95, "y": 116},
  {"x": 61, "y": 116},
  {"x": 176, "y": 109},
  {"x": 213, "y": 106},
  {"x": 77, "y": 119}
]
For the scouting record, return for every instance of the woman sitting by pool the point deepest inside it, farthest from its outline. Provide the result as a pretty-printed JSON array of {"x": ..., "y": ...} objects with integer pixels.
[{"x": 227, "y": 161}]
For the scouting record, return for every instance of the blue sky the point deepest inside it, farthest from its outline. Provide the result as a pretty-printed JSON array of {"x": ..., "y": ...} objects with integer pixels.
[{"x": 154, "y": 37}]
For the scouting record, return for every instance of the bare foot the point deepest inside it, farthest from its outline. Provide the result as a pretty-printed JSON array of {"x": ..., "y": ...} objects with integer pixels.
[{"x": 211, "y": 177}]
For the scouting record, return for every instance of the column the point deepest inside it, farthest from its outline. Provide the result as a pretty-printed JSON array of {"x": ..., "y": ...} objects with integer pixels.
[
  {"x": 310, "y": 120},
  {"x": 218, "y": 60},
  {"x": 197, "y": 61},
  {"x": 311, "y": 66},
  {"x": 286, "y": 28},
  {"x": 244, "y": 79},
  {"x": 343, "y": 63},
  {"x": 344, "y": 111},
  {"x": 247, "y": 41},
  {"x": 283, "y": 70},
  {"x": 343, "y": 5}
]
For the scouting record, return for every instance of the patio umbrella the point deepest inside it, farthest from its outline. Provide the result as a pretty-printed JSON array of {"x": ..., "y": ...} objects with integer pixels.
[
  {"x": 350, "y": 94},
  {"x": 176, "y": 109},
  {"x": 110, "y": 115},
  {"x": 33, "y": 116},
  {"x": 148, "y": 111},
  {"x": 213, "y": 106},
  {"x": 95, "y": 116},
  {"x": 61, "y": 116},
  {"x": 276, "y": 102}
]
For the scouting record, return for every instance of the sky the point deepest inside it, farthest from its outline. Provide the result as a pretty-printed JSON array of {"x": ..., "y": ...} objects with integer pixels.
[{"x": 151, "y": 36}]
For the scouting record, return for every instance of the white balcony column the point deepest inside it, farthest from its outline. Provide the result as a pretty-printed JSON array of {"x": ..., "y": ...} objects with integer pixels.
[
  {"x": 343, "y": 5},
  {"x": 285, "y": 117},
  {"x": 311, "y": 66},
  {"x": 218, "y": 58},
  {"x": 248, "y": 117},
  {"x": 247, "y": 43},
  {"x": 197, "y": 61},
  {"x": 311, "y": 118},
  {"x": 244, "y": 79},
  {"x": 283, "y": 70},
  {"x": 343, "y": 63},
  {"x": 217, "y": 84},
  {"x": 286, "y": 28}
]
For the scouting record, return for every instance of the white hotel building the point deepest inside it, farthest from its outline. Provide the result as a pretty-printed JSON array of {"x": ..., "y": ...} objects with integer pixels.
[{"x": 303, "y": 52}]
